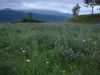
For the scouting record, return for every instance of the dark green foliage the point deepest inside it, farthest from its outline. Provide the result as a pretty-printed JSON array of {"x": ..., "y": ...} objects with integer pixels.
[
  {"x": 92, "y": 3},
  {"x": 97, "y": 2}
]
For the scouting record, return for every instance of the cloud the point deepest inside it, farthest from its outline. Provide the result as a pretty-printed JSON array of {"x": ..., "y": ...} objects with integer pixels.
[
  {"x": 58, "y": 5},
  {"x": 62, "y": 7}
]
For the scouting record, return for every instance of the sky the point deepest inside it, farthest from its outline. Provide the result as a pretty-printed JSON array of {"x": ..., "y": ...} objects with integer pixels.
[{"x": 58, "y": 5}]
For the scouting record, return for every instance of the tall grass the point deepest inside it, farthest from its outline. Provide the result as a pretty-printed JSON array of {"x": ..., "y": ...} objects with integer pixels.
[{"x": 44, "y": 49}]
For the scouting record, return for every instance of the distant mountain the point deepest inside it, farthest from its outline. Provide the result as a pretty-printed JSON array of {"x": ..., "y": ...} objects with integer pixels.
[
  {"x": 47, "y": 12},
  {"x": 8, "y": 15}
]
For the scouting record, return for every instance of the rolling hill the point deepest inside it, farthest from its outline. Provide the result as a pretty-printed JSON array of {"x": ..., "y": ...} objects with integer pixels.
[{"x": 95, "y": 18}]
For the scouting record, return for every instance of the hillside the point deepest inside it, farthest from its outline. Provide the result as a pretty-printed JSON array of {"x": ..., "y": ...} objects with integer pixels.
[
  {"x": 8, "y": 15},
  {"x": 95, "y": 18}
]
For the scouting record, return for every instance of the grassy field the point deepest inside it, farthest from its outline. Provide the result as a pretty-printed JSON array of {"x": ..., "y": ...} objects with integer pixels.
[{"x": 49, "y": 49}]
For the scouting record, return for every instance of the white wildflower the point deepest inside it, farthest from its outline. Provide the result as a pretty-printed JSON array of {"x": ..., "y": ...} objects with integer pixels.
[
  {"x": 95, "y": 42},
  {"x": 54, "y": 70},
  {"x": 75, "y": 38},
  {"x": 23, "y": 51},
  {"x": 47, "y": 62},
  {"x": 84, "y": 40},
  {"x": 3, "y": 58},
  {"x": 28, "y": 60},
  {"x": 66, "y": 33},
  {"x": 94, "y": 54},
  {"x": 55, "y": 43},
  {"x": 63, "y": 71},
  {"x": 70, "y": 49},
  {"x": 74, "y": 66}
]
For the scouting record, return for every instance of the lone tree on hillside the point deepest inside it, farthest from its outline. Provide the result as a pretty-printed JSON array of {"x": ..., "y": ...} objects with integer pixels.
[
  {"x": 76, "y": 10},
  {"x": 92, "y": 3},
  {"x": 28, "y": 18}
]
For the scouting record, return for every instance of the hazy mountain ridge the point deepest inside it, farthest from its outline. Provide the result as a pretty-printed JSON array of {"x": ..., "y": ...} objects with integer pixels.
[
  {"x": 8, "y": 15},
  {"x": 47, "y": 12}
]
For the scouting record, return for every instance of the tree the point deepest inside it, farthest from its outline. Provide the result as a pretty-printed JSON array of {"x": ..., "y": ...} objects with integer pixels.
[
  {"x": 92, "y": 3},
  {"x": 97, "y": 2},
  {"x": 28, "y": 18},
  {"x": 76, "y": 10}
]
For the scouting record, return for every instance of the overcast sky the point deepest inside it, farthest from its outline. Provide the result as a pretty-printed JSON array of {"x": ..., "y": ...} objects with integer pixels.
[{"x": 58, "y": 5}]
